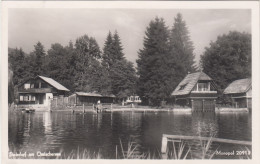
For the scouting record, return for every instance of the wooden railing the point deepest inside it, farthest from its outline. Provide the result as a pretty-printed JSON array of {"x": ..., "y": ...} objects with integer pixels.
[
  {"x": 36, "y": 90},
  {"x": 178, "y": 138}
]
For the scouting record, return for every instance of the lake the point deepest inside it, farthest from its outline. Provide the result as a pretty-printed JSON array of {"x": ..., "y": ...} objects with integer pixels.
[{"x": 63, "y": 131}]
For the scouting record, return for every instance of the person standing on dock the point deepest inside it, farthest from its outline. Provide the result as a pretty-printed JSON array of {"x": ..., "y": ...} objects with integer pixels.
[{"x": 98, "y": 106}]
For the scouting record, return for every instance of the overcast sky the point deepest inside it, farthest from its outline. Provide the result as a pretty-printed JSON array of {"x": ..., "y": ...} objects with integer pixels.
[{"x": 28, "y": 26}]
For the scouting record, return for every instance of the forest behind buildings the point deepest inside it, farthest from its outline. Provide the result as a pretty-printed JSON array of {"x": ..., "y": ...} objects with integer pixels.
[{"x": 166, "y": 58}]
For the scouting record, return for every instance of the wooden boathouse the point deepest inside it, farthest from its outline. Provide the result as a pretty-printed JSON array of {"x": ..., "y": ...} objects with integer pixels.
[
  {"x": 197, "y": 91},
  {"x": 90, "y": 98},
  {"x": 240, "y": 92}
]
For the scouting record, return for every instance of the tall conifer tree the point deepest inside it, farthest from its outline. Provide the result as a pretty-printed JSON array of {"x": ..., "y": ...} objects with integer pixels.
[
  {"x": 152, "y": 62},
  {"x": 118, "y": 54},
  {"x": 107, "y": 52},
  {"x": 181, "y": 50},
  {"x": 40, "y": 55},
  {"x": 118, "y": 74}
]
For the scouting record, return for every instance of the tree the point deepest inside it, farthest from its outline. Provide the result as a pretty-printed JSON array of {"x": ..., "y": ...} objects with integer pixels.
[
  {"x": 40, "y": 54},
  {"x": 151, "y": 62},
  {"x": 88, "y": 53},
  {"x": 108, "y": 52},
  {"x": 181, "y": 51},
  {"x": 118, "y": 54},
  {"x": 10, "y": 86},
  {"x": 119, "y": 75},
  {"x": 57, "y": 66},
  {"x": 123, "y": 77},
  {"x": 228, "y": 58},
  {"x": 18, "y": 71},
  {"x": 17, "y": 65}
]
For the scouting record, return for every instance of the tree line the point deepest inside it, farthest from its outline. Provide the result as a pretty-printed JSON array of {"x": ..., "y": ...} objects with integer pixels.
[
  {"x": 81, "y": 66},
  {"x": 166, "y": 58}
]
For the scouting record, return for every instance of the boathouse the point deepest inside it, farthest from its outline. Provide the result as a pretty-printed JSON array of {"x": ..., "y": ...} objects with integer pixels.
[
  {"x": 133, "y": 99},
  {"x": 39, "y": 91},
  {"x": 90, "y": 98},
  {"x": 197, "y": 91},
  {"x": 240, "y": 92}
]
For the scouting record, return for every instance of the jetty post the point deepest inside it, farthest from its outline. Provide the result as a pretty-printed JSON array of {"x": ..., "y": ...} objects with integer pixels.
[
  {"x": 164, "y": 147},
  {"x": 56, "y": 102},
  {"x": 83, "y": 108}
]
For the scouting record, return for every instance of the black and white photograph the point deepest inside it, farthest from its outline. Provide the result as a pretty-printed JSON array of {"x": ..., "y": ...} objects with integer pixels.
[{"x": 121, "y": 82}]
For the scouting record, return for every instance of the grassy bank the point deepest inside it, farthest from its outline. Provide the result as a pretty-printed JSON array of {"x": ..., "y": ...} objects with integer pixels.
[{"x": 175, "y": 150}]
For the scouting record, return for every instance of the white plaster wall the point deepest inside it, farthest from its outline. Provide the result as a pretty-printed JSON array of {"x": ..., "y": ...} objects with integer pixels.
[{"x": 48, "y": 98}]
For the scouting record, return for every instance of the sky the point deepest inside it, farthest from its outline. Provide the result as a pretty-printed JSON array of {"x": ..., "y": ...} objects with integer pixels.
[{"x": 28, "y": 26}]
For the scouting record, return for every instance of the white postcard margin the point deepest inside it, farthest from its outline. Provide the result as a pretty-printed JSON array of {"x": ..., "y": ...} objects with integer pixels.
[{"x": 253, "y": 5}]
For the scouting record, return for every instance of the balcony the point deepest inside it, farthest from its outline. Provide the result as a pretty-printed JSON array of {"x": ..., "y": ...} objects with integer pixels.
[
  {"x": 203, "y": 91},
  {"x": 35, "y": 90}
]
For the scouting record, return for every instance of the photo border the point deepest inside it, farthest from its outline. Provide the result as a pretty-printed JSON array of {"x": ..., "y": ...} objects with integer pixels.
[{"x": 252, "y": 5}]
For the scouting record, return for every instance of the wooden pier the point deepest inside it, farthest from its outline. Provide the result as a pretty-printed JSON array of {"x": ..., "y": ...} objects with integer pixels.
[{"x": 178, "y": 138}]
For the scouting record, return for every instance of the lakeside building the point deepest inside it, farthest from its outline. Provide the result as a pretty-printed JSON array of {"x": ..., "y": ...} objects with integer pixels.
[
  {"x": 39, "y": 91},
  {"x": 197, "y": 91},
  {"x": 240, "y": 92},
  {"x": 89, "y": 98},
  {"x": 133, "y": 99}
]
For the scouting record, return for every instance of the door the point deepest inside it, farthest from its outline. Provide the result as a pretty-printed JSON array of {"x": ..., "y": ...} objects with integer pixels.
[
  {"x": 197, "y": 105},
  {"x": 41, "y": 98}
]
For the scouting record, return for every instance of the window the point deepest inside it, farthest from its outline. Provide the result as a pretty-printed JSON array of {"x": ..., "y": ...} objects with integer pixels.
[
  {"x": 26, "y": 98},
  {"x": 21, "y": 98},
  {"x": 32, "y": 85},
  {"x": 202, "y": 86},
  {"x": 27, "y": 86},
  {"x": 182, "y": 86},
  {"x": 32, "y": 98}
]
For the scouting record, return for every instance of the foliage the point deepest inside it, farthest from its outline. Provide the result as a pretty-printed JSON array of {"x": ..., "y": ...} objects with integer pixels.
[
  {"x": 10, "y": 86},
  {"x": 167, "y": 56},
  {"x": 151, "y": 84},
  {"x": 39, "y": 61},
  {"x": 79, "y": 67},
  {"x": 119, "y": 77},
  {"x": 107, "y": 52},
  {"x": 87, "y": 55},
  {"x": 123, "y": 78},
  {"x": 181, "y": 57},
  {"x": 228, "y": 58},
  {"x": 60, "y": 64}
]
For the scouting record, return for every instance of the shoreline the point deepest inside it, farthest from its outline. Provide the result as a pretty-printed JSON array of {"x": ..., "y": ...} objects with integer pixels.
[{"x": 137, "y": 109}]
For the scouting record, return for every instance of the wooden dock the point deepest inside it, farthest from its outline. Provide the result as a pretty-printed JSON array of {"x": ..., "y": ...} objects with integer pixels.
[{"x": 178, "y": 138}]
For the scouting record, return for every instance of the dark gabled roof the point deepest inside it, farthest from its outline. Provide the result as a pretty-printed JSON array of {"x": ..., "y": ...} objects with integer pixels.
[
  {"x": 187, "y": 84},
  {"x": 50, "y": 81},
  {"x": 91, "y": 94},
  {"x": 239, "y": 86},
  {"x": 54, "y": 83}
]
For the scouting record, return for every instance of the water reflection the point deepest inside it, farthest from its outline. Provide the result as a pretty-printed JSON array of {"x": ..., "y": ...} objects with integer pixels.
[
  {"x": 204, "y": 124},
  {"x": 47, "y": 122},
  {"x": 102, "y": 132}
]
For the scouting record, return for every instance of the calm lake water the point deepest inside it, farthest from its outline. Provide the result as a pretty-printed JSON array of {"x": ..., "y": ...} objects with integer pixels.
[{"x": 65, "y": 131}]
